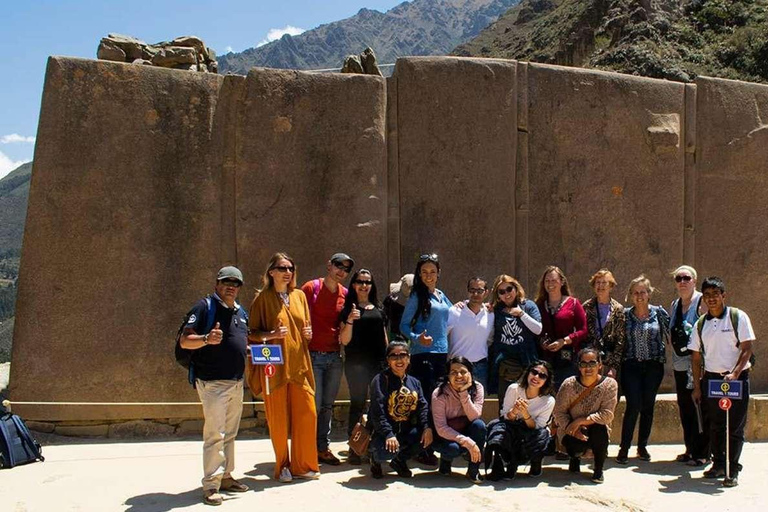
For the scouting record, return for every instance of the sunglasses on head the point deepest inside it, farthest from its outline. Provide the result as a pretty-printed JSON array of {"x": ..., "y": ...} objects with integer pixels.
[
  {"x": 363, "y": 283},
  {"x": 339, "y": 265},
  {"x": 537, "y": 373},
  {"x": 284, "y": 269},
  {"x": 680, "y": 279},
  {"x": 231, "y": 282},
  {"x": 588, "y": 364},
  {"x": 428, "y": 257},
  {"x": 504, "y": 291}
]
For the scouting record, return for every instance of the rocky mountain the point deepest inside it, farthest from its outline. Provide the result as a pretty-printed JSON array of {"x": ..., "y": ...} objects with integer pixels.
[
  {"x": 14, "y": 191},
  {"x": 671, "y": 39},
  {"x": 418, "y": 27}
]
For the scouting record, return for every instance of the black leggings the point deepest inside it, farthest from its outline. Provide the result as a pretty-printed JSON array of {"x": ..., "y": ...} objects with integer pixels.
[{"x": 597, "y": 441}]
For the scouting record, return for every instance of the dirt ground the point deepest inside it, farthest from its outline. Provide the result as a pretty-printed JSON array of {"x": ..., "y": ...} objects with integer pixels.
[{"x": 155, "y": 476}]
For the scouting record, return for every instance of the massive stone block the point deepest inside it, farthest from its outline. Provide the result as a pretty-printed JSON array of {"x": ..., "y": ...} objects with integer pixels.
[
  {"x": 310, "y": 171},
  {"x": 122, "y": 235},
  {"x": 606, "y": 165},
  {"x": 456, "y": 151},
  {"x": 731, "y": 199}
]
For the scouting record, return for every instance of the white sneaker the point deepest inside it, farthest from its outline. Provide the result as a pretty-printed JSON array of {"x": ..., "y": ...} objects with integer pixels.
[
  {"x": 285, "y": 476},
  {"x": 309, "y": 475}
]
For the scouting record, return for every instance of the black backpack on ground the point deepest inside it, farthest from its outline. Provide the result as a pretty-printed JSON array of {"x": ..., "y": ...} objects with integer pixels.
[{"x": 17, "y": 446}]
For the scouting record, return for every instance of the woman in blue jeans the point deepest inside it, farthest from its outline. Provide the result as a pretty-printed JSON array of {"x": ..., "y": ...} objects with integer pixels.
[
  {"x": 642, "y": 367},
  {"x": 457, "y": 410},
  {"x": 363, "y": 334}
]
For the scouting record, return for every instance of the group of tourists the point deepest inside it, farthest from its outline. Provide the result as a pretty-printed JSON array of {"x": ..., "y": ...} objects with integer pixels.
[{"x": 557, "y": 365}]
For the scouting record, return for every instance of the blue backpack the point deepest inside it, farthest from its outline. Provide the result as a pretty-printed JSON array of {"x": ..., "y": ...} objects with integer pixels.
[{"x": 17, "y": 446}]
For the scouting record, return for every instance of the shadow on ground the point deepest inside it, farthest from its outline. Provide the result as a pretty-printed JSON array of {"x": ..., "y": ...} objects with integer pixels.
[{"x": 164, "y": 502}]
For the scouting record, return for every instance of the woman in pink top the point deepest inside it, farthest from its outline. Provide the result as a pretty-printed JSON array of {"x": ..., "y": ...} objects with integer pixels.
[
  {"x": 564, "y": 323},
  {"x": 457, "y": 409}
]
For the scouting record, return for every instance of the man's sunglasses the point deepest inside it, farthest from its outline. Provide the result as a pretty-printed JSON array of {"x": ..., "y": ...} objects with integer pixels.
[
  {"x": 680, "y": 279},
  {"x": 231, "y": 282},
  {"x": 283, "y": 269},
  {"x": 504, "y": 291},
  {"x": 342, "y": 266}
]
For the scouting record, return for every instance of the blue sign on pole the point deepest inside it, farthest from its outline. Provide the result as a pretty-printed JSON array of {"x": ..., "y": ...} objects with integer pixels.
[
  {"x": 725, "y": 389},
  {"x": 266, "y": 354}
]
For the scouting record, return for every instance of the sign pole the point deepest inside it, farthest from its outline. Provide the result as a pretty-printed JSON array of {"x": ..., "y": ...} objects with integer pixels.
[{"x": 727, "y": 444}]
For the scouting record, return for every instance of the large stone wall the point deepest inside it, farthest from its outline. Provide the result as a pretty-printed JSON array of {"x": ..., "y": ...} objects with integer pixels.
[{"x": 147, "y": 180}]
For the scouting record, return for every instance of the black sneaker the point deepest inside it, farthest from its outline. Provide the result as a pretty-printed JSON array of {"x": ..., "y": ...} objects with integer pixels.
[
  {"x": 376, "y": 471},
  {"x": 354, "y": 459},
  {"x": 474, "y": 476},
  {"x": 733, "y": 481},
  {"x": 401, "y": 468},
  {"x": 642, "y": 454},
  {"x": 445, "y": 467},
  {"x": 714, "y": 472},
  {"x": 535, "y": 470},
  {"x": 575, "y": 465},
  {"x": 623, "y": 456},
  {"x": 511, "y": 472},
  {"x": 597, "y": 476},
  {"x": 497, "y": 470}
]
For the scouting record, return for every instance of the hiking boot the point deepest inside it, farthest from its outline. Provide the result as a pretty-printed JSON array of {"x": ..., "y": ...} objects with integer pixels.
[
  {"x": 445, "y": 467},
  {"x": 212, "y": 497},
  {"x": 733, "y": 481},
  {"x": 401, "y": 468},
  {"x": 535, "y": 470},
  {"x": 231, "y": 485},
  {"x": 642, "y": 454},
  {"x": 354, "y": 459},
  {"x": 327, "y": 457},
  {"x": 597, "y": 476},
  {"x": 575, "y": 465},
  {"x": 623, "y": 456},
  {"x": 376, "y": 471}
]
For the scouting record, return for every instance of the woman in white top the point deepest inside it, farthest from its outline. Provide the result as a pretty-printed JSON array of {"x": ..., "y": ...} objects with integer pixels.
[{"x": 522, "y": 435}]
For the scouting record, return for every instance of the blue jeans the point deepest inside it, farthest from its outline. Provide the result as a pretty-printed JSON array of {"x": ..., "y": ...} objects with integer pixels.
[
  {"x": 327, "y": 368},
  {"x": 640, "y": 381},
  {"x": 409, "y": 438},
  {"x": 481, "y": 374},
  {"x": 449, "y": 450}
]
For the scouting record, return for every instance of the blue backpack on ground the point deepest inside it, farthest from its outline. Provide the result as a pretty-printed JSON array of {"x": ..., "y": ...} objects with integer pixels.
[
  {"x": 17, "y": 446},
  {"x": 185, "y": 357}
]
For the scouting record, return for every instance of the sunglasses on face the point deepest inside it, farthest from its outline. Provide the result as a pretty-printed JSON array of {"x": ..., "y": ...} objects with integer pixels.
[
  {"x": 284, "y": 269},
  {"x": 504, "y": 291},
  {"x": 588, "y": 364},
  {"x": 428, "y": 257},
  {"x": 230, "y": 282},
  {"x": 343, "y": 267},
  {"x": 680, "y": 279},
  {"x": 476, "y": 291},
  {"x": 397, "y": 357},
  {"x": 539, "y": 374},
  {"x": 363, "y": 283}
]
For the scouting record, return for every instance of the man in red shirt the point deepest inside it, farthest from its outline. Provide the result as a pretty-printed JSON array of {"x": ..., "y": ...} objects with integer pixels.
[{"x": 326, "y": 300}]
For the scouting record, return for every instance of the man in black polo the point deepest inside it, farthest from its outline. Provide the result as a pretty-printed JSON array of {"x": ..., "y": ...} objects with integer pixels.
[
  {"x": 724, "y": 338},
  {"x": 219, "y": 363}
]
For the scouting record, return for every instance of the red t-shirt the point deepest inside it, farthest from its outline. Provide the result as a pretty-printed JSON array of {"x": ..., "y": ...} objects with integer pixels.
[{"x": 324, "y": 314}]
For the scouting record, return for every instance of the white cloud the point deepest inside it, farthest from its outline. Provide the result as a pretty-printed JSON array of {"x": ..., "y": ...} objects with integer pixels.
[
  {"x": 16, "y": 138},
  {"x": 228, "y": 49},
  {"x": 7, "y": 165},
  {"x": 276, "y": 33}
]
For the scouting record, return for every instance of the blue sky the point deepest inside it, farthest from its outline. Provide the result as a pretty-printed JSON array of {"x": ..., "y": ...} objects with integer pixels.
[{"x": 32, "y": 30}]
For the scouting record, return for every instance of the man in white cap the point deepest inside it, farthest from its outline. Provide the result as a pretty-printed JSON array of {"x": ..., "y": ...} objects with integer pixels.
[{"x": 216, "y": 331}]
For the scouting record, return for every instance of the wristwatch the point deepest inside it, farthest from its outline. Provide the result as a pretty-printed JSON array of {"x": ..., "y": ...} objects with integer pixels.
[{"x": 205, "y": 339}]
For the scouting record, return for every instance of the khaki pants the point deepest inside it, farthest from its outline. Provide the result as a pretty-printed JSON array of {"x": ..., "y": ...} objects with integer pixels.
[{"x": 222, "y": 408}]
